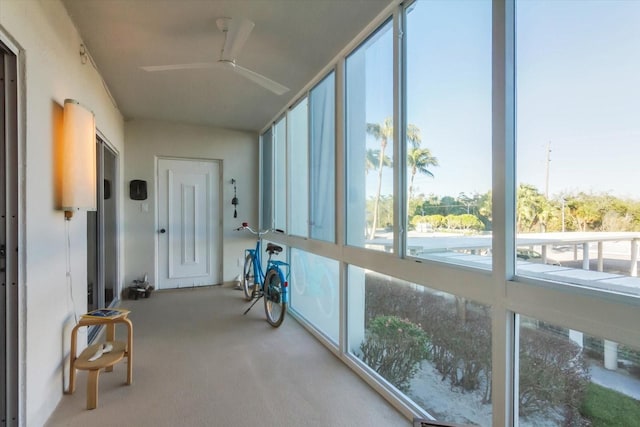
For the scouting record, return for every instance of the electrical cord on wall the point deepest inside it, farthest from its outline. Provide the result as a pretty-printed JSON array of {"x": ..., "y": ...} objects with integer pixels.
[
  {"x": 84, "y": 55},
  {"x": 68, "y": 273}
]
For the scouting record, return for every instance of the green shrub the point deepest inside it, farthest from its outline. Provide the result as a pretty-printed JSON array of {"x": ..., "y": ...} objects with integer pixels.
[
  {"x": 394, "y": 347},
  {"x": 459, "y": 333}
]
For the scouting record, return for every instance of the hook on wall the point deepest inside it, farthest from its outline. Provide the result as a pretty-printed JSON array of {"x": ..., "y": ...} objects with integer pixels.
[{"x": 234, "y": 201}]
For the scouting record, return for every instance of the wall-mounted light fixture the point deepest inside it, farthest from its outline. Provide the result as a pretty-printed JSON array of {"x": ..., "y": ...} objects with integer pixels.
[{"x": 79, "y": 159}]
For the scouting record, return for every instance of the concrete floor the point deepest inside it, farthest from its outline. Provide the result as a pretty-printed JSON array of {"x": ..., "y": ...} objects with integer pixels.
[{"x": 197, "y": 361}]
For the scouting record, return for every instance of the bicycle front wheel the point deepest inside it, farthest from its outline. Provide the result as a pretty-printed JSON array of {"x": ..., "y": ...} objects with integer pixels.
[
  {"x": 274, "y": 305},
  {"x": 248, "y": 278}
]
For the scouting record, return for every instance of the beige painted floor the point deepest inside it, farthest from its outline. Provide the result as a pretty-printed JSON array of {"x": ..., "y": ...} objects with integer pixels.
[{"x": 198, "y": 361}]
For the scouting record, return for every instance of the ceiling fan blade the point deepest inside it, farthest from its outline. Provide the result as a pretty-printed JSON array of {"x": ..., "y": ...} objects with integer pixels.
[
  {"x": 263, "y": 81},
  {"x": 192, "y": 66},
  {"x": 236, "y": 34}
]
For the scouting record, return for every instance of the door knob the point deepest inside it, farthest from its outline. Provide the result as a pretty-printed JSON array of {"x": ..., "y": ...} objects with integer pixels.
[{"x": 162, "y": 231}]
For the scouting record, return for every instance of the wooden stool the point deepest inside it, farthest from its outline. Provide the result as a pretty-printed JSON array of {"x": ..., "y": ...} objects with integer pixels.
[
  {"x": 107, "y": 360},
  {"x": 119, "y": 351}
]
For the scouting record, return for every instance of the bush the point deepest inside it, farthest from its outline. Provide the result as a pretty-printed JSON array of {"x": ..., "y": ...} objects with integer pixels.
[
  {"x": 460, "y": 343},
  {"x": 384, "y": 296},
  {"x": 459, "y": 334},
  {"x": 394, "y": 348},
  {"x": 553, "y": 376}
]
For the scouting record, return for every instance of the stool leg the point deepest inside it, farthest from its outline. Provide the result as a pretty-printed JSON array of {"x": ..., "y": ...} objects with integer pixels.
[
  {"x": 72, "y": 360},
  {"x": 111, "y": 335},
  {"x": 92, "y": 389},
  {"x": 129, "y": 353},
  {"x": 72, "y": 377}
]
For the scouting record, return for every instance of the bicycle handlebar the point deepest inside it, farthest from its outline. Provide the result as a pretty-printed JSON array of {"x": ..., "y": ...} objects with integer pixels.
[{"x": 245, "y": 226}]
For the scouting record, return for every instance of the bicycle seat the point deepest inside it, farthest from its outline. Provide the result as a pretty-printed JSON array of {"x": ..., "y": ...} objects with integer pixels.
[{"x": 273, "y": 249}]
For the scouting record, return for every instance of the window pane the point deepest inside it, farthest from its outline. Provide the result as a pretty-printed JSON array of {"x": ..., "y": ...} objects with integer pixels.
[
  {"x": 569, "y": 378},
  {"x": 267, "y": 179},
  {"x": 315, "y": 290},
  {"x": 448, "y": 134},
  {"x": 433, "y": 346},
  {"x": 280, "y": 174},
  {"x": 578, "y": 87},
  {"x": 369, "y": 145},
  {"x": 322, "y": 106},
  {"x": 298, "y": 137}
]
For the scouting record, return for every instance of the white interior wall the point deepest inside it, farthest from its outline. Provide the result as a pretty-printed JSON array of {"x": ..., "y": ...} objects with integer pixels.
[
  {"x": 148, "y": 140},
  {"x": 50, "y": 70}
]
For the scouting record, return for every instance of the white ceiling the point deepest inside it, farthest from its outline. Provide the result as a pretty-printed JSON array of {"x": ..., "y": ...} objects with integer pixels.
[{"x": 291, "y": 42}]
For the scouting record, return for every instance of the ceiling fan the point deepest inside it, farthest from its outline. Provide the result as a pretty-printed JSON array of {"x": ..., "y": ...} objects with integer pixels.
[{"x": 236, "y": 34}]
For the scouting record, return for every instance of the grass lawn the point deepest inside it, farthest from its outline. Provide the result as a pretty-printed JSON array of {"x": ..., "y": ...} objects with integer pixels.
[{"x": 608, "y": 408}]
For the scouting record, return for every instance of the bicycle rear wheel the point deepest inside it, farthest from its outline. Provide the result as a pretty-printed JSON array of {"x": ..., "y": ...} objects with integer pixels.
[
  {"x": 248, "y": 278},
  {"x": 274, "y": 306}
]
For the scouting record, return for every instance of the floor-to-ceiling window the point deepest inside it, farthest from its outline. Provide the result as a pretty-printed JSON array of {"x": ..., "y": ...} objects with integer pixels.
[
  {"x": 315, "y": 291},
  {"x": 280, "y": 174},
  {"x": 369, "y": 139},
  {"x": 298, "y": 166},
  {"x": 507, "y": 293},
  {"x": 448, "y": 131},
  {"x": 266, "y": 181},
  {"x": 577, "y": 213},
  {"x": 578, "y": 137},
  {"x": 433, "y": 346},
  {"x": 322, "y": 155}
]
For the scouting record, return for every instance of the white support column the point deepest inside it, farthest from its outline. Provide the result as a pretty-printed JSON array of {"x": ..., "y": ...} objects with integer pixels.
[
  {"x": 610, "y": 355},
  {"x": 576, "y": 337},
  {"x": 633, "y": 271},
  {"x": 544, "y": 253},
  {"x": 585, "y": 256},
  {"x": 600, "y": 256},
  {"x": 575, "y": 252}
]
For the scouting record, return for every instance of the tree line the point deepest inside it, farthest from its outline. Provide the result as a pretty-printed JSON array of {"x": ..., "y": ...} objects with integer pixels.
[
  {"x": 535, "y": 212},
  {"x": 569, "y": 211}
]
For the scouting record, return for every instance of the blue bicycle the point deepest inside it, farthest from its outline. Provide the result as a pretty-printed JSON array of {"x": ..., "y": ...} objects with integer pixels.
[{"x": 271, "y": 285}]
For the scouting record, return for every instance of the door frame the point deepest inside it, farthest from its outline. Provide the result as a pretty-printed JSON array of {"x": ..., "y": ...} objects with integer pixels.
[
  {"x": 13, "y": 145},
  {"x": 102, "y": 144},
  {"x": 217, "y": 228}
]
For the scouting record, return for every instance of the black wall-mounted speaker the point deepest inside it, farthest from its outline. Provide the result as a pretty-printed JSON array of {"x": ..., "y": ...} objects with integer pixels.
[{"x": 138, "y": 189}]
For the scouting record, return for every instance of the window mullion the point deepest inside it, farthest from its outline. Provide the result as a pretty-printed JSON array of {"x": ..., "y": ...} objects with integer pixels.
[
  {"x": 503, "y": 191},
  {"x": 399, "y": 120}
]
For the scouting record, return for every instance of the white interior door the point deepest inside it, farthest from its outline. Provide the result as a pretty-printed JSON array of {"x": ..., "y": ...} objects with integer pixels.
[{"x": 188, "y": 223}]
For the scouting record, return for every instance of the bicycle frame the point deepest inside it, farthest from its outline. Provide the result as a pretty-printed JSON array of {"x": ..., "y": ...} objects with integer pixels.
[
  {"x": 259, "y": 274},
  {"x": 283, "y": 279}
]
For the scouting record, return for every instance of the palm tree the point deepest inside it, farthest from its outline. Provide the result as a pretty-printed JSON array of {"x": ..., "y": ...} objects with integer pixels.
[
  {"x": 419, "y": 160},
  {"x": 373, "y": 159},
  {"x": 532, "y": 208},
  {"x": 381, "y": 132},
  {"x": 413, "y": 135}
]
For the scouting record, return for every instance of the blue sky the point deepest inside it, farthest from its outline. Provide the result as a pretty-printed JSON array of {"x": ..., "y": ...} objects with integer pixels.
[{"x": 578, "y": 88}]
